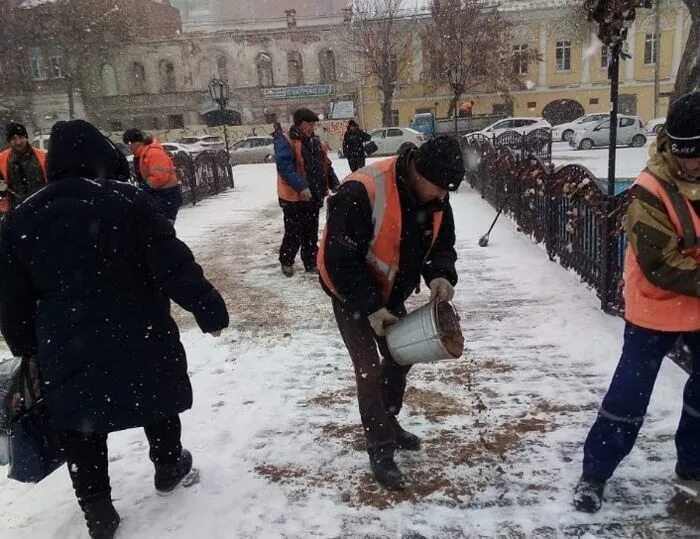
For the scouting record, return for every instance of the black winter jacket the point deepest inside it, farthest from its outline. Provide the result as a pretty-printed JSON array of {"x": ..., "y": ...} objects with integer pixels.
[
  {"x": 349, "y": 232},
  {"x": 87, "y": 269},
  {"x": 353, "y": 144}
]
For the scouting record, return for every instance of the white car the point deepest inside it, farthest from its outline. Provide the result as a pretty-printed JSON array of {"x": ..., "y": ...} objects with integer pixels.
[
  {"x": 565, "y": 131},
  {"x": 390, "y": 139},
  {"x": 173, "y": 147},
  {"x": 654, "y": 127},
  {"x": 200, "y": 143},
  {"x": 630, "y": 131},
  {"x": 253, "y": 150},
  {"x": 519, "y": 125}
]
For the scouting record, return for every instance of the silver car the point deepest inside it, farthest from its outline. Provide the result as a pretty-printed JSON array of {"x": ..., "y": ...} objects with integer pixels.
[
  {"x": 630, "y": 132},
  {"x": 389, "y": 139},
  {"x": 253, "y": 150}
]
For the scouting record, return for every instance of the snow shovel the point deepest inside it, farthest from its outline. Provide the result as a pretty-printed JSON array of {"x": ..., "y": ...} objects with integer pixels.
[{"x": 484, "y": 240}]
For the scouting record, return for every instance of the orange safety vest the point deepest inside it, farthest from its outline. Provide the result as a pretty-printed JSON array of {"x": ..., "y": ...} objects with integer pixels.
[
  {"x": 647, "y": 305},
  {"x": 384, "y": 251},
  {"x": 287, "y": 192},
  {"x": 5, "y": 172},
  {"x": 156, "y": 167}
]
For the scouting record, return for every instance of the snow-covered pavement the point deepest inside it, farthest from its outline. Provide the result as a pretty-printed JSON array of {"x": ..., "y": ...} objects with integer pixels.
[{"x": 275, "y": 427}]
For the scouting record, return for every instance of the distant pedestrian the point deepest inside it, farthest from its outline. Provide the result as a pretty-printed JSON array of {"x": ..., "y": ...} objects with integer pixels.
[
  {"x": 662, "y": 305},
  {"x": 22, "y": 168},
  {"x": 354, "y": 145},
  {"x": 466, "y": 109},
  {"x": 155, "y": 171},
  {"x": 277, "y": 130},
  {"x": 88, "y": 267},
  {"x": 304, "y": 177}
]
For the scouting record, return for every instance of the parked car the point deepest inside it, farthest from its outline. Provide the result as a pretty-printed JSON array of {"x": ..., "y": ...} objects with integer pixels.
[
  {"x": 200, "y": 143},
  {"x": 253, "y": 150},
  {"x": 389, "y": 139},
  {"x": 630, "y": 132},
  {"x": 173, "y": 147},
  {"x": 520, "y": 125},
  {"x": 654, "y": 127},
  {"x": 41, "y": 142},
  {"x": 565, "y": 131}
]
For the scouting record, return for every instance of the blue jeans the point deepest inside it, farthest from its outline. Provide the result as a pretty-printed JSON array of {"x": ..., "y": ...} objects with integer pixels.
[{"x": 622, "y": 413}]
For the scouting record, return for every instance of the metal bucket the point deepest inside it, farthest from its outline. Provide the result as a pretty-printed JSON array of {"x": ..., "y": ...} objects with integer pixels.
[{"x": 418, "y": 337}]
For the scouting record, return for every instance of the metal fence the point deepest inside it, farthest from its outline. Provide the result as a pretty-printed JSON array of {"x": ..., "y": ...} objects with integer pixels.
[
  {"x": 207, "y": 174},
  {"x": 563, "y": 208},
  {"x": 537, "y": 143}
]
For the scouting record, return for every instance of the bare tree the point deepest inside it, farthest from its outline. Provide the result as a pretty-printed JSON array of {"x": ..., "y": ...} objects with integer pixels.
[
  {"x": 473, "y": 37},
  {"x": 381, "y": 38},
  {"x": 688, "y": 76}
]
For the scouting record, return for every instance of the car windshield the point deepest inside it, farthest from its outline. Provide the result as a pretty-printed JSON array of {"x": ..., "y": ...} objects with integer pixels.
[
  {"x": 212, "y": 139},
  {"x": 189, "y": 140}
]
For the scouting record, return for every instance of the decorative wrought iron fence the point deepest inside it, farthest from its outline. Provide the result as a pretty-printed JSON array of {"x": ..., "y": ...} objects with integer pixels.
[
  {"x": 207, "y": 174},
  {"x": 564, "y": 208}
]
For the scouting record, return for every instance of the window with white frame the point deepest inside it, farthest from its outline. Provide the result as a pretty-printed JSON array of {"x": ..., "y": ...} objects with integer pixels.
[
  {"x": 520, "y": 59},
  {"x": 36, "y": 64},
  {"x": 650, "y": 49},
  {"x": 563, "y": 55},
  {"x": 55, "y": 66}
]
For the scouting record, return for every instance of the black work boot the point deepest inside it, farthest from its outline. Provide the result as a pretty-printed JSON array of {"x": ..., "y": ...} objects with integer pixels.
[
  {"x": 404, "y": 439},
  {"x": 387, "y": 473},
  {"x": 287, "y": 270},
  {"x": 588, "y": 495},
  {"x": 168, "y": 476},
  {"x": 101, "y": 517}
]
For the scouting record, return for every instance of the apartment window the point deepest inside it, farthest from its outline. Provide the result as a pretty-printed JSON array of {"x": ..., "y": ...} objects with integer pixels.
[
  {"x": 394, "y": 117},
  {"x": 650, "y": 49},
  {"x": 593, "y": 101},
  {"x": 295, "y": 68},
  {"x": 138, "y": 78},
  {"x": 55, "y": 67},
  {"x": 563, "y": 55},
  {"x": 326, "y": 60},
  {"x": 176, "y": 121},
  {"x": 264, "y": 66},
  {"x": 604, "y": 57},
  {"x": 36, "y": 64},
  {"x": 520, "y": 59}
]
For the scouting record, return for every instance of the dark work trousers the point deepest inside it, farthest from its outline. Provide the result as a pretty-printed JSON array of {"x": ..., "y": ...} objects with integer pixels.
[
  {"x": 622, "y": 413},
  {"x": 356, "y": 163},
  {"x": 86, "y": 456},
  {"x": 381, "y": 383},
  {"x": 300, "y": 230}
]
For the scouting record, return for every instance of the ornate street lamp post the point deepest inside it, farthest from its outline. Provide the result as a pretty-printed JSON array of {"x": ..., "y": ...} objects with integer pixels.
[
  {"x": 614, "y": 18},
  {"x": 455, "y": 76},
  {"x": 219, "y": 92}
]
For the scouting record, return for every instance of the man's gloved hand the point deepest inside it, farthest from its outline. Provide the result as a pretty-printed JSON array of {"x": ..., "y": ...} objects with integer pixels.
[
  {"x": 441, "y": 289},
  {"x": 305, "y": 194},
  {"x": 3, "y": 186},
  {"x": 380, "y": 320}
]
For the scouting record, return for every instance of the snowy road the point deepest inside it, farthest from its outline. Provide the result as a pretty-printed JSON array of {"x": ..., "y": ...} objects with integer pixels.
[{"x": 275, "y": 426}]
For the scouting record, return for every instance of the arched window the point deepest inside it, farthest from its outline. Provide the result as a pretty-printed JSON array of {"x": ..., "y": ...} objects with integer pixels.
[
  {"x": 221, "y": 67},
  {"x": 326, "y": 60},
  {"x": 138, "y": 78},
  {"x": 264, "y": 65},
  {"x": 214, "y": 66},
  {"x": 166, "y": 70},
  {"x": 295, "y": 68},
  {"x": 109, "y": 80}
]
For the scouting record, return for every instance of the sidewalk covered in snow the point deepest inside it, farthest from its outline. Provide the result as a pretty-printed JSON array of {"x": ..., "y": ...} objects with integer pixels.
[{"x": 275, "y": 428}]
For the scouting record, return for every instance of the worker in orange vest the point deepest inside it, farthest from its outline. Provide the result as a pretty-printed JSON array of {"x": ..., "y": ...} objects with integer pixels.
[
  {"x": 22, "y": 168},
  {"x": 662, "y": 305},
  {"x": 156, "y": 172},
  {"x": 389, "y": 224},
  {"x": 304, "y": 178}
]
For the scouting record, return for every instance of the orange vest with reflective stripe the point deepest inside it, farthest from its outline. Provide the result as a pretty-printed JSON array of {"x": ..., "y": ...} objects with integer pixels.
[
  {"x": 286, "y": 191},
  {"x": 384, "y": 250},
  {"x": 5, "y": 172},
  {"x": 647, "y": 305}
]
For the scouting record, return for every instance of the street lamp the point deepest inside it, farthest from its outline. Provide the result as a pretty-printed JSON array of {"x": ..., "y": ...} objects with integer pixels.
[
  {"x": 455, "y": 76},
  {"x": 219, "y": 91}
]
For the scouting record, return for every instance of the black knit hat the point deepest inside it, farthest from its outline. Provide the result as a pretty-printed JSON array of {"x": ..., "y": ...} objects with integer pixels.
[
  {"x": 15, "y": 129},
  {"x": 440, "y": 162},
  {"x": 304, "y": 115},
  {"x": 683, "y": 126},
  {"x": 133, "y": 135}
]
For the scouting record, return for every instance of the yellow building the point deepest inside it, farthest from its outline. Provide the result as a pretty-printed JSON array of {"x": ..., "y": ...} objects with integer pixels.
[{"x": 573, "y": 65}]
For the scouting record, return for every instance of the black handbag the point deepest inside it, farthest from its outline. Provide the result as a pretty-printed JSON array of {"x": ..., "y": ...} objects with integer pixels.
[
  {"x": 371, "y": 147},
  {"x": 33, "y": 448}
]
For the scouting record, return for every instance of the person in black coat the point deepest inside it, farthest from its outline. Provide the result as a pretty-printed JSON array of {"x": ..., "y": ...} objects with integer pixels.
[
  {"x": 88, "y": 267},
  {"x": 354, "y": 145}
]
